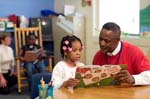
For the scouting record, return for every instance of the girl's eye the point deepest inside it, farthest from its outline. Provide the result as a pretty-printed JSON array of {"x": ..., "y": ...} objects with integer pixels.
[{"x": 74, "y": 50}]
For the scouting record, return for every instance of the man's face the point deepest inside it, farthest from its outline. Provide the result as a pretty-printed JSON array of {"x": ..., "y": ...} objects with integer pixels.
[{"x": 107, "y": 41}]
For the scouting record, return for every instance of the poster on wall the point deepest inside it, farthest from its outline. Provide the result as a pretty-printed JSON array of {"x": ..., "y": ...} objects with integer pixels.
[{"x": 145, "y": 20}]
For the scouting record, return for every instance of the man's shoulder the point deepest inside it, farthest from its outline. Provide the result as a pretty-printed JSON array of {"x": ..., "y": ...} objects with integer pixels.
[
  {"x": 98, "y": 56},
  {"x": 99, "y": 53},
  {"x": 129, "y": 45}
]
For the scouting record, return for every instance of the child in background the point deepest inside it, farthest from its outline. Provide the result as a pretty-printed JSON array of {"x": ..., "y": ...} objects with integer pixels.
[
  {"x": 32, "y": 65},
  {"x": 64, "y": 72}
]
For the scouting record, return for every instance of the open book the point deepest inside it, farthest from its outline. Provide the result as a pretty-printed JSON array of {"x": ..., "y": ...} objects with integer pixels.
[
  {"x": 32, "y": 55},
  {"x": 95, "y": 75}
]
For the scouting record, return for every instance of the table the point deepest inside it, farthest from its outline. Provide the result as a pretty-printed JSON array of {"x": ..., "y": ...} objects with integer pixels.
[{"x": 104, "y": 92}]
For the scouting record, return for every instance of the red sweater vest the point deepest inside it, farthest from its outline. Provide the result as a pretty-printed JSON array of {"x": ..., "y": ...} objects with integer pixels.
[{"x": 130, "y": 55}]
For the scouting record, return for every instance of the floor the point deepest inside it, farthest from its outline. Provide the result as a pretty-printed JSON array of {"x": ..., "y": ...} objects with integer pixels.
[{"x": 15, "y": 95}]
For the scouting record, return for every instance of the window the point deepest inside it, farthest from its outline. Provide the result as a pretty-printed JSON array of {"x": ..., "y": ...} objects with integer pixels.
[{"x": 123, "y": 12}]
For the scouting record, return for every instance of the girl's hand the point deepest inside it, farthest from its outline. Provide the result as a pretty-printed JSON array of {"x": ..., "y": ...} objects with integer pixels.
[
  {"x": 3, "y": 82},
  {"x": 72, "y": 82}
]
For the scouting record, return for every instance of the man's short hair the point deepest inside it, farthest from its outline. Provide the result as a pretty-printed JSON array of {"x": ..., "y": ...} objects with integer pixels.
[{"x": 113, "y": 27}]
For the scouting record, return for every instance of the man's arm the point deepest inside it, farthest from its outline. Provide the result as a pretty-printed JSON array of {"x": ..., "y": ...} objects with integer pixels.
[{"x": 142, "y": 79}]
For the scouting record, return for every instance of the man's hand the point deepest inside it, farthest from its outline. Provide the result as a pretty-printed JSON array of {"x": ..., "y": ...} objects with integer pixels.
[
  {"x": 124, "y": 77},
  {"x": 70, "y": 83}
]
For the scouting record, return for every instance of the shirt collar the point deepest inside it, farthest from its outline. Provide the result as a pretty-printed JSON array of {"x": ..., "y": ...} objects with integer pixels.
[{"x": 116, "y": 51}]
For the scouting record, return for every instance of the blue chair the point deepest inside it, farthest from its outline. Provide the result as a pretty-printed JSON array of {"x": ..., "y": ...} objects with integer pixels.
[{"x": 36, "y": 80}]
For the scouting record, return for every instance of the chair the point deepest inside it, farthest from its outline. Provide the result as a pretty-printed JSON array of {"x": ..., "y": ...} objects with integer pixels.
[
  {"x": 20, "y": 35},
  {"x": 36, "y": 80}
]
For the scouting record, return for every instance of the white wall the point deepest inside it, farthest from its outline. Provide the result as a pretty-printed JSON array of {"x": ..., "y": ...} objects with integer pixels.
[{"x": 91, "y": 44}]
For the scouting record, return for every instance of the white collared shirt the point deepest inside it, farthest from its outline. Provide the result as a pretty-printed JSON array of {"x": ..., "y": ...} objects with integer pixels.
[
  {"x": 116, "y": 51},
  {"x": 142, "y": 79}
]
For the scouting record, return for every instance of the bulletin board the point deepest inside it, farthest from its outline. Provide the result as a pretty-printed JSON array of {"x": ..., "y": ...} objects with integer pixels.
[{"x": 145, "y": 20}]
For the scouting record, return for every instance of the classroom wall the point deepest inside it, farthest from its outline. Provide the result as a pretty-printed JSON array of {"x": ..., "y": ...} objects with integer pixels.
[
  {"x": 87, "y": 11},
  {"x": 24, "y": 7},
  {"x": 91, "y": 43}
]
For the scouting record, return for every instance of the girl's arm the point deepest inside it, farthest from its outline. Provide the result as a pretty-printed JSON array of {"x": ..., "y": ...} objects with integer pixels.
[{"x": 57, "y": 77}]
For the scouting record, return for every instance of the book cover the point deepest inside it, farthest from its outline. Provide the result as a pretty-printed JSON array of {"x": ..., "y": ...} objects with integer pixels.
[
  {"x": 32, "y": 55},
  {"x": 95, "y": 75}
]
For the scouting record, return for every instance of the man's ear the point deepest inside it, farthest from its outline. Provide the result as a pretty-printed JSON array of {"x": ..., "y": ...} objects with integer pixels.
[{"x": 118, "y": 39}]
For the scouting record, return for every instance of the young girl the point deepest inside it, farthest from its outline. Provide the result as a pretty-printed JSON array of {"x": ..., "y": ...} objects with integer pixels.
[
  {"x": 7, "y": 64},
  {"x": 64, "y": 72}
]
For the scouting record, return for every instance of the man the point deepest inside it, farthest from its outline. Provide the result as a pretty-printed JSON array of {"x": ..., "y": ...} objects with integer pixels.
[{"x": 113, "y": 51}]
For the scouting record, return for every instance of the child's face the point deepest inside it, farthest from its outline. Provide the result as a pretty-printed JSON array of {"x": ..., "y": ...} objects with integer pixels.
[
  {"x": 75, "y": 54},
  {"x": 31, "y": 40}
]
